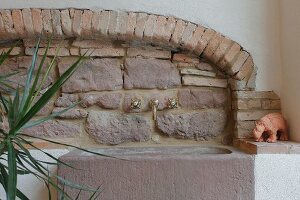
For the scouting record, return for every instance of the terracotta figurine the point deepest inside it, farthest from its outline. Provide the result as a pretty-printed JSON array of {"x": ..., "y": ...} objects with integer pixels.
[{"x": 270, "y": 128}]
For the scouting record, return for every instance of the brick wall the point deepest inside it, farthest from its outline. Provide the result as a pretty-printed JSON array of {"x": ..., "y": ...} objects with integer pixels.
[{"x": 137, "y": 56}]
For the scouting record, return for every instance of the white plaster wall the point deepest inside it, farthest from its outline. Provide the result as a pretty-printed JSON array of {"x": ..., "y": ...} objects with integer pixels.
[
  {"x": 252, "y": 23},
  {"x": 291, "y": 64},
  {"x": 277, "y": 177}
]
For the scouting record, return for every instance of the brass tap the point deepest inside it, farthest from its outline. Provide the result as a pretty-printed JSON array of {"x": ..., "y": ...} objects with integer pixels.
[
  {"x": 136, "y": 104},
  {"x": 154, "y": 104},
  {"x": 172, "y": 103}
]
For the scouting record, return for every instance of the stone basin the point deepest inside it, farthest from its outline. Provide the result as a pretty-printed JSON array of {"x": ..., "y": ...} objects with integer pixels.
[{"x": 163, "y": 173}]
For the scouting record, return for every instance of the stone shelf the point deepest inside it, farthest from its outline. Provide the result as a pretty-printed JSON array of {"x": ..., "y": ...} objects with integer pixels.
[{"x": 280, "y": 147}]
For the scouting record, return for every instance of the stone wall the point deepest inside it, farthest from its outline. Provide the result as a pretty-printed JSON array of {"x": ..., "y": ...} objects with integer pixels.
[{"x": 137, "y": 56}]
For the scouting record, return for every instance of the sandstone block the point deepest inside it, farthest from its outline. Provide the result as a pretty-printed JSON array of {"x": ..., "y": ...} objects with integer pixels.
[
  {"x": 238, "y": 63},
  {"x": 191, "y": 43},
  {"x": 178, "y": 32},
  {"x": 149, "y": 27},
  {"x": 202, "y": 43},
  {"x": 66, "y": 100},
  {"x": 187, "y": 34},
  {"x": 130, "y": 25},
  {"x": 140, "y": 25},
  {"x": 163, "y": 29},
  {"x": 112, "y": 128},
  {"x": 14, "y": 52},
  {"x": 203, "y": 81},
  {"x": 148, "y": 52},
  {"x": 204, "y": 66},
  {"x": 85, "y": 44},
  {"x": 47, "y": 23},
  {"x": 246, "y": 70},
  {"x": 202, "y": 125},
  {"x": 178, "y": 57},
  {"x": 37, "y": 21},
  {"x": 252, "y": 114},
  {"x": 27, "y": 17},
  {"x": 51, "y": 51},
  {"x": 92, "y": 75},
  {"x": 225, "y": 44},
  {"x": 197, "y": 72},
  {"x": 201, "y": 98},
  {"x": 112, "y": 24},
  {"x": 104, "y": 22},
  {"x": 86, "y": 23},
  {"x": 74, "y": 113},
  {"x": 2, "y": 28},
  {"x": 55, "y": 129},
  {"x": 8, "y": 23},
  {"x": 212, "y": 46},
  {"x": 229, "y": 57},
  {"x": 103, "y": 100},
  {"x": 66, "y": 22},
  {"x": 17, "y": 18},
  {"x": 254, "y": 95},
  {"x": 56, "y": 23},
  {"x": 76, "y": 23},
  {"x": 271, "y": 104},
  {"x": 150, "y": 73},
  {"x": 74, "y": 51},
  {"x": 105, "y": 51}
]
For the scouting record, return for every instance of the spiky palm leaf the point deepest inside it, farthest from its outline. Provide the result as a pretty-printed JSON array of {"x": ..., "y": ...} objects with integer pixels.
[{"x": 25, "y": 104}]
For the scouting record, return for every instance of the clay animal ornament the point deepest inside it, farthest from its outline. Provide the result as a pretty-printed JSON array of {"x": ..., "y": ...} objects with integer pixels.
[{"x": 270, "y": 128}]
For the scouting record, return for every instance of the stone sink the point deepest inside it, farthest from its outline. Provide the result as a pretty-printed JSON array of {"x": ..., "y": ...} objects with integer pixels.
[{"x": 162, "y": 173}]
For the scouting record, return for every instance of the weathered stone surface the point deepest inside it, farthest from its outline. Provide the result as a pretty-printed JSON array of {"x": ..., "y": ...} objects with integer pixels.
[
  {"x": 47, "y": 23},
  {"x": 66, "y": 22},
  {"x": 145, "y": 98},
  {"x": 112, "y": 128},
  {"x": 105, "y": 51},
  {"x": 179, "y": 57},
  {"x": 204, "y": 66},
  {"x": 95, "y": 44},
  {"x": 221, "y": 50},
  {"x": 44, "y": 43},
  {"x": 201, "y": 98},
  {"x": 14, "y": 52},
  {"x": 187, "y": 34},
  {"x": 55, "y": 129},
  {"x": 149, "y": 27},
  {"x": 271, "y": 104},
  {"x": 197, "y": 72},
  {"x": 246, "y": 104},
  {"x": 254, "y": 95},
  {"x": 238, "y": 63},
  {"x": 103, "y": 100},
  {"x": 148, "y": 52},
  {"x": 150, "y": 73},
  {"x": 202, "y": 81},
  {"x": 56, "y": 23},
  {"x": 246, "y": 70},
  {"x": 86, "y": 23},
  {"x": 93, "y": 74},
  {"x": 26, "y": 12},
  {"x": 212, "y": 45},
  {"x": 202, "y": 125},
  {"x": 24, "y": 62},
  {"x": 191, "y": 43},
  {"x": 51, "y": 51},
  {"x": 229, "y": 56},
  {"x": 17, "y": 18},
  {"x": 251, "y": 115},
  {"x": 76, "y": 23},
  {"x": 74, "y": 51},
  {"x": 112, "y": 24},
  {"x": 8, "y": 23},
  {"x": 202, "y": 43},
  {"x": 74, "y": 113},
  {"x": 66, "y": 100},
  {"x": 140, "y": 25},
  {"x": 163, "y": 29},
  {"x": 104, "y": 22},
  {"x": 37, "y": 21},
  {"x": 178, "y": 31},
  {"x": 130, "y": 25}
]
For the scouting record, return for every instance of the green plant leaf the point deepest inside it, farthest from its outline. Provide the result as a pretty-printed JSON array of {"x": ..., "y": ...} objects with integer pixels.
[{"x": 12, "y": 177}]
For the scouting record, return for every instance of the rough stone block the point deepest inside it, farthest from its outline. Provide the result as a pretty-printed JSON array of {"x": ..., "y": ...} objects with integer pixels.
[
  {"x": 254, "y": 95},
  {"x": 113, "y": 128},
  {"x": 150, "y": 73},
  {"x": 178, "y": 32},
  {"x": 271, "y": 104},
  {"x": 140, "y": 25},
  {"x": 66, "y": 100},
  {"x": 148, "y": 52},
  {"x": 56, "y": 23},
  {"x": 191, "y": 43},
  {"x": 179, "y": 57},
  {"x": 103, "y": 100},
  {"x": 27, "y": 17},
  {"x": 17, "y": 18},
  {"x": 47, "y": 23},
  {"x": 55, "y": 129},
  {"x": 66, "y": 22},
  {"x": 202, "y": 125},
  {"x": 202, "y": 43},
  {"x": 201, "y": 98},
  {"x": 203, "y": 81},
  {"x": 74, "y": 113},
  {"x": 105, "y": 51},
  {"x": 93, "y": 74},
  {"x": 197, "y": 72}
]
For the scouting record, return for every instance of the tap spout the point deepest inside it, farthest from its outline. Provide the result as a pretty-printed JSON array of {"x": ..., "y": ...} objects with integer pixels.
[{"x": 154, "y": 104}]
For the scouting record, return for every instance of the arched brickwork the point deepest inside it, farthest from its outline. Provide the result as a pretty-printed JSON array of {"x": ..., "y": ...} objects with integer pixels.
[{"x": 228, "y": 55}]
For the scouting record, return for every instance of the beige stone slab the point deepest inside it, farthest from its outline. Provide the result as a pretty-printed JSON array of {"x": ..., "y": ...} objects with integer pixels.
[
  {"x": 197, "y": 72},
  {"x": 254, "y": 95},
  {"x": 205, "y": 82},
  {"x": 148, "y": 53},
  {"x": 104, "y": 52},
  {"x": 252, "y": 114}
]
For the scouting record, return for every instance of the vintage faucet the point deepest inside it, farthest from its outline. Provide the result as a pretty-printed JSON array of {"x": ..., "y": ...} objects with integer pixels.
[{"x": 154, "y": 104}]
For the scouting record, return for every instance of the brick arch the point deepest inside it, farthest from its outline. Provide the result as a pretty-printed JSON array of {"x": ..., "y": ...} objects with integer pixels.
[{"x": 165, "y": 31}]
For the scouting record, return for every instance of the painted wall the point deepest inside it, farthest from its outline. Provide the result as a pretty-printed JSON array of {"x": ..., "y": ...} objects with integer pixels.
[
  {"x": 291, "y": 64},
  {"x": 252, "y": 23}
]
